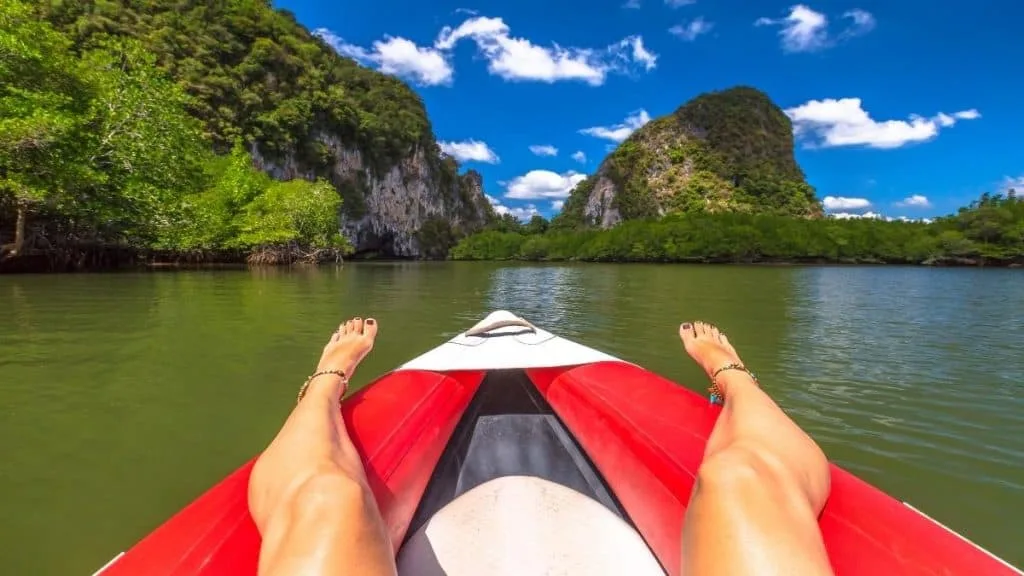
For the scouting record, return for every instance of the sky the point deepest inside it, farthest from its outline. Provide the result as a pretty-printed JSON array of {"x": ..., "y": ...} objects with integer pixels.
[{"x": 905, "y": 108}]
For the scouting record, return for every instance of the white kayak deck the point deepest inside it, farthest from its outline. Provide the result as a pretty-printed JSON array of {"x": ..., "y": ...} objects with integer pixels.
[{"x": 505, "y": 341}]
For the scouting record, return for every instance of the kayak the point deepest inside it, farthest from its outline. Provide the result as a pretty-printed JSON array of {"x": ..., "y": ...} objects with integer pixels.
[{"x": 510, "y": 450}]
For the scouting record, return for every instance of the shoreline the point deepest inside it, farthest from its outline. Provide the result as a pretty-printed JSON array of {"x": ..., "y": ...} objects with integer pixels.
[{"x": 30, "y": 264}]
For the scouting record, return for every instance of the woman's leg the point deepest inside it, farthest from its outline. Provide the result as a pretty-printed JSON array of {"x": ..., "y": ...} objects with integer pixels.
[
  {"x": 308, "y": 493},
  {"x": 762, "y": 484}
]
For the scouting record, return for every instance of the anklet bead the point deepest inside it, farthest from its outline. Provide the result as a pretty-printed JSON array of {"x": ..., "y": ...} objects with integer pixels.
[
  {"x": 715, "y": 391},
  {"x": 305, "y": 385}
]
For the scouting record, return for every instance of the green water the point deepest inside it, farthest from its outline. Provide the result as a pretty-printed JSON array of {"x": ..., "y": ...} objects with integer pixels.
[{"x": 124, "y": 396}]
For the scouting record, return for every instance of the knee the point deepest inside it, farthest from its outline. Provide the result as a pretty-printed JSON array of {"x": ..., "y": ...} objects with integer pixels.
[
  {"x": 329, "y": 493},
  {"x": 738, "y": 468}
]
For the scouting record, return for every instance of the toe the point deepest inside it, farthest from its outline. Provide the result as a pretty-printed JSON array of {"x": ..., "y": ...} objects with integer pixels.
[
  {"x": 357, "y": 325},
  {"x": 370, "y": 328},
  {"x": 728, "y": 345},
  {"x": 688, "y": 333},
  {"x": 714, "y": 332},
  {"x": 701, "y": 329},
  {"x": 350, "y": 327}
]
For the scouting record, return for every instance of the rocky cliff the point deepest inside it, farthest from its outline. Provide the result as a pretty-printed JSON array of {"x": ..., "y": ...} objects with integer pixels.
[
  {"x": 383, "y": 211},
  {"x": 722, "y": 151},
  {"x": 256, "y": 75}
]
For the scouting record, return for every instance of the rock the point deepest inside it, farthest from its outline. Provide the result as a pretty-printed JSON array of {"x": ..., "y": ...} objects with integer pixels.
[
  {"x": 382, "y": 212},
  {"x": 723, "y": 151},
  {"x": 601, "y": 207}
]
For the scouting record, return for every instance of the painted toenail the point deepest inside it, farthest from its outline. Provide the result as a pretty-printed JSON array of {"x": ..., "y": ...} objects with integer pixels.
[{"x": 687, "y": 326}]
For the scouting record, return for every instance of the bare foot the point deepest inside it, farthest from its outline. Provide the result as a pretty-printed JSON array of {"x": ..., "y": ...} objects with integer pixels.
[
  {"x": 348, "y": 346},
  {"x": 708, "y": 347}
]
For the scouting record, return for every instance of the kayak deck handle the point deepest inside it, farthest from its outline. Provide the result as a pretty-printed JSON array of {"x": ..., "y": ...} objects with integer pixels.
[{"x": 518, "y": 322}]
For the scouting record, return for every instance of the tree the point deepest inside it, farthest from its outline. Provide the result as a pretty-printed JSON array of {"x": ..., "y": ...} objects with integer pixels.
[
  {"x": 536, "y": 225},
  {"x": 140, "y": 139},
  {"x": 44, "y": 108},
  {"x": 506, "y": 223}
]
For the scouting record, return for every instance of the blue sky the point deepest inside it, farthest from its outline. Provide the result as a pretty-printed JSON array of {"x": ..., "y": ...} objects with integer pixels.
[{"x": 907, "y": 108}]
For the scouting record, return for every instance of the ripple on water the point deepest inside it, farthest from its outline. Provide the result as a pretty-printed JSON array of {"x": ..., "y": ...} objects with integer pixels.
[{"x": 129, "y": 394}]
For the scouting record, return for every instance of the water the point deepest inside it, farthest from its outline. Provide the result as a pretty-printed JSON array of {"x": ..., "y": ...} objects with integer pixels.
[{"x": 124, "y": 396}]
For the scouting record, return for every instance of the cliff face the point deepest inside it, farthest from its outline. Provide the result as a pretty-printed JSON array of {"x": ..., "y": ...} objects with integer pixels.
[
  {"x": 722, "y": 151},
  {"x": 383, "y": 211},
  {"x": 257, "y": 75}
]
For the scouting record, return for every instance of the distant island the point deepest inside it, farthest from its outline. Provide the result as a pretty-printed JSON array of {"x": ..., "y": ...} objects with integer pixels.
[
  {"x": 989, "y": 232},
  {"x": 134, "y": 133},
  {"x": 717, "y": 181}
]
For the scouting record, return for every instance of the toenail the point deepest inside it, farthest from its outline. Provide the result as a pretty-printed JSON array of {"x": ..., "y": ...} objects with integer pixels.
[
  {"x": 371, "y": 321},
  {"x": 687, "y": 326}
]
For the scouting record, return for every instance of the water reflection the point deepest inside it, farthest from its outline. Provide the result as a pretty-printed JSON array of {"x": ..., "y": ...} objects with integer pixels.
[
  {"x": 913, "y": 379},
  {"x": 551, "y": 296},
  {"x": 125, "y": 395}
]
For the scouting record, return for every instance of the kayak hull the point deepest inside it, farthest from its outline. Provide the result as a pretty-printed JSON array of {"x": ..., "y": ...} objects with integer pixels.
[{"x": 641, "y": 434}]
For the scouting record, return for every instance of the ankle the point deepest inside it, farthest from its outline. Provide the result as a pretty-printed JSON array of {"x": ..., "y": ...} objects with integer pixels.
[
  {"x": 327, "y": 385},
  {"x": 732, "y": 382}
]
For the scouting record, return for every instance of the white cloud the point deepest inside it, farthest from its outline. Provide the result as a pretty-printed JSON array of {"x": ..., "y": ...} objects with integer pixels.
[
  {"x": 852, "y": 216},
  {"x": 915, "y": 201},
  {"x": 639, "y": 54},
  {"x": 619, "y": 132},
  {"x": 557, "y": 204},
  {"x": 520, "y": 59},
  {"x": 691, "y": 31},
  {"x": 544, "y": 150},
  {"x": 844, "y": 122},
  {"x": 843, "y": 203},
  {"x": 467, "y": 11},
  {"x": 579, "y": 156},
  {"x": 971, "y": 114},
  {"x": 863, "y": 22},
  {"x": 522, "y": 213},
  {"x": 469, "y": 151},
  {"x": 679, "y": 3},
  {"x": 1017, "y": 184},
  {"x": 396, "y": 56},
  {"x": 632, "y": 4},
  {"x": 876, "y": 216},
  {"x": 543, "y": 184},
  {"x": 805, "y": 30}
]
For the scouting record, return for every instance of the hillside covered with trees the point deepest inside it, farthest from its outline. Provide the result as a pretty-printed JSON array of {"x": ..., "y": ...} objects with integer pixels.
[
  {"x": 131, "y": 127},
  {"x": 728, "y": 151},
  {"x": 988, "y": 232}
]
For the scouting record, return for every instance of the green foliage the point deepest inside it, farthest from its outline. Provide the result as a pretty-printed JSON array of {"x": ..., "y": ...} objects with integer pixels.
[
  {"x": 571, "y": 215},
  {"x": 44, "y": 108},
  {"x": 254, "y": 72},
  {"x": 728, "y": 151},
  {"x": 489, "y": 245},
  {"x": 142, "y": 147},
  {"x": 295, "y": 211},
  {"x": 628, "y": 167},
  {"x": 101, "y": 142},
  {"x": 245, "y": 210},
  {"x": 747, "y": 129},
  {"x": 506, "y": 223},
  {"x": 536, "y": 225},
  {"x": 989, "y": 231},
  {"x": 436, "y": 237}
]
